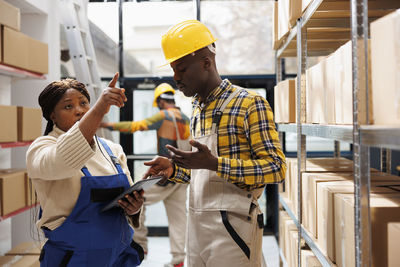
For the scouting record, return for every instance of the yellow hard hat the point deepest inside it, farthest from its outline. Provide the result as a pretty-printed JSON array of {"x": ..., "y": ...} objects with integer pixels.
[
  {"x": 161, "y": 89},
  {"x": 185, "y": 38}
]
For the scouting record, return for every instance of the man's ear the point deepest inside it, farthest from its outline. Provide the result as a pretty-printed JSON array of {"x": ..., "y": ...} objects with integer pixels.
[{"x": 207, "y": 63}]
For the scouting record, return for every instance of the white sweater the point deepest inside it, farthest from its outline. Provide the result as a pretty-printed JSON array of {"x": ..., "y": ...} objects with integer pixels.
[{"x": 54, "y": 164}]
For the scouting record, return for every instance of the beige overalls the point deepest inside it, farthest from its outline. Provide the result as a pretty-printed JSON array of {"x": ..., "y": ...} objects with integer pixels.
[{"x": 224, "y": 221}]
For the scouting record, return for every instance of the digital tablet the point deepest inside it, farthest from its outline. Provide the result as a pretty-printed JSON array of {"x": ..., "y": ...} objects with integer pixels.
[{"x": 138, "y": 186}]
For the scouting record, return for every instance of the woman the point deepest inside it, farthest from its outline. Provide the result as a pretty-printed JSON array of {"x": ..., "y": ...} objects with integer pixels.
[{"x": 75, "y": 174}]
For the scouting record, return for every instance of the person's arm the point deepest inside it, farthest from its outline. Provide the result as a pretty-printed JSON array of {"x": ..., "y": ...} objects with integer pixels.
[
  {"x": 152, "y": 123},
  {"x": 53, "y": 158},
  {"x": 91, "y": 121},
  {"x": 268, "y": 161}
]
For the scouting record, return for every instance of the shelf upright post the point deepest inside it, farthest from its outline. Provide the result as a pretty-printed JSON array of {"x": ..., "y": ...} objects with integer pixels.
[
  {"x": 272, "y": 189},
  {"x": 361, "y": 155},
  {"x": 337, "y": 149},
  {"x": 301, "y": 115},
  {"x": 386, "y": 160}
]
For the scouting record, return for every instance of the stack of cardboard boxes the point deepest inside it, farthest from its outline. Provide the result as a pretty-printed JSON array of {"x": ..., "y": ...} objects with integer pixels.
[
  {"x": 21, "y": 52},
  {"x": 17, "y": 49},
  {"x": 328, "y": 209},
  {"x": 329, "y": 89}
]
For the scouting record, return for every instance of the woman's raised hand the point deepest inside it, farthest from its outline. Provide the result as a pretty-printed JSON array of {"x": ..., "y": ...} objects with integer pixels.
[{"x": 111, "y": 96}]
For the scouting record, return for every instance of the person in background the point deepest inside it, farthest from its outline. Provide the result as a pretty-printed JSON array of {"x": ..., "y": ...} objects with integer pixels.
[
  {"x": 75, "y": 175},
  {"x": 168, "y": 122},
  {"x": 236, "y": 152}
]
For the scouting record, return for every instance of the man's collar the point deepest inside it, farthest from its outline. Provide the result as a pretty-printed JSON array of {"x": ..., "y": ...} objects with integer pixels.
[{"x": 214, "y": 94}]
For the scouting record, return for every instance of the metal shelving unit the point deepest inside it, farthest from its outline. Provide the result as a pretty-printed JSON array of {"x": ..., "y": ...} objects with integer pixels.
[{"x": 324, "y": 27}]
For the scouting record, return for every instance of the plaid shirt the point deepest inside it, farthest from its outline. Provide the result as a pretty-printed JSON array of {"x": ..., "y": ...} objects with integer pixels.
[{"x": 249, "y": 151}]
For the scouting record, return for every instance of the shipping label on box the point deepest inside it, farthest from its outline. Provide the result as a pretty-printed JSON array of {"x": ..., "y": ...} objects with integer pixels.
[
  {"x": 8, "y": 122},
  {"x": 29, "y": 123}
]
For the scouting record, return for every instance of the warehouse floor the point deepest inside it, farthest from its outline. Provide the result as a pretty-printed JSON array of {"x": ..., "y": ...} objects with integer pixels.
[{"x": 159, "y": 252}]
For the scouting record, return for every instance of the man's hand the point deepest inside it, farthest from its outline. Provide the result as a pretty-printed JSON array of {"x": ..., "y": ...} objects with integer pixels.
[
  {"x": 200, "y": 159},
  {"x": 161, "y": 166},
  {"x": 132, "y": 202}
]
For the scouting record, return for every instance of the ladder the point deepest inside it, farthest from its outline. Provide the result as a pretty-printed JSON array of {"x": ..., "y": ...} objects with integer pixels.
[{"x": 81, "y": 49}]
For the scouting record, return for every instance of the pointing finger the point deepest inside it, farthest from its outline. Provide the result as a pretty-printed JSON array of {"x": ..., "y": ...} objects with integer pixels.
[{"x": 114, "y": 80}]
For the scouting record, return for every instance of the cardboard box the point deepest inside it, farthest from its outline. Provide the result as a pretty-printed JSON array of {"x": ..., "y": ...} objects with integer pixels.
[
  {"x": 319, "y": 165},
  {"x": 344, "y": 85},
  {"x": 12, "y": 188},
  {"x": 382, "y": 210},
  {"x": 283, "y": 19},
  {"x": 310, "y": 196},
  {"x": 315, "y": 88},
  {"x": 308, "y": 259},
  {"x": 393, "y": 244},
  {"x": 283, "y": 217},
  {"x": 294, "y": 252},
  {"x": 385, "y": 61},
  {"x": 285, "y": 102},
  {"x": 295, "y": 10},
  {"x": 8, "y": 122},
  {"x": 330, "y": 79},
  {"x": 275, "y": 38},
  {"x": 10, "y": 15},
  {"x": 29, "y": 123},
  {"x": 290, "y": 228},
  {"x": 38, "y": 56},
  {"x": 326, "y": 210},
  {"x": 22, "y": 51},
  {"x": 15, "y": 48},
  {"x": 20, "y": 261},
  {"x": 25, "y": 248}
]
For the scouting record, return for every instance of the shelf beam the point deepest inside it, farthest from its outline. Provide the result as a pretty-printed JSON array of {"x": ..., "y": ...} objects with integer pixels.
[
  {"x": 15, "y": 144},
  {"x": 14, "y": 213},
  {"x": 19, "y": 73}
]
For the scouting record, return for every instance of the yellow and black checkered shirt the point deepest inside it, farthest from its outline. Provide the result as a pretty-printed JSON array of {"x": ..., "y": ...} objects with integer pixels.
[{"x": 249, "y": 152}]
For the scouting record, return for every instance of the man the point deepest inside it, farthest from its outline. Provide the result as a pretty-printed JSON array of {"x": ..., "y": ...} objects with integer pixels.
[
  {"x": 236, "y": 152},
  {"x": 173, "y": 195}
]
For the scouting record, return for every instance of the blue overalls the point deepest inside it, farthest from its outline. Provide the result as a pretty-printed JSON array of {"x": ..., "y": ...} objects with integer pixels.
[{"x": 89, "y": 237}]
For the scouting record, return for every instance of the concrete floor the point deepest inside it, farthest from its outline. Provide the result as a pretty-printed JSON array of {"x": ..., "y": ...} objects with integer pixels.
[{"x": 159, "y": 252}]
